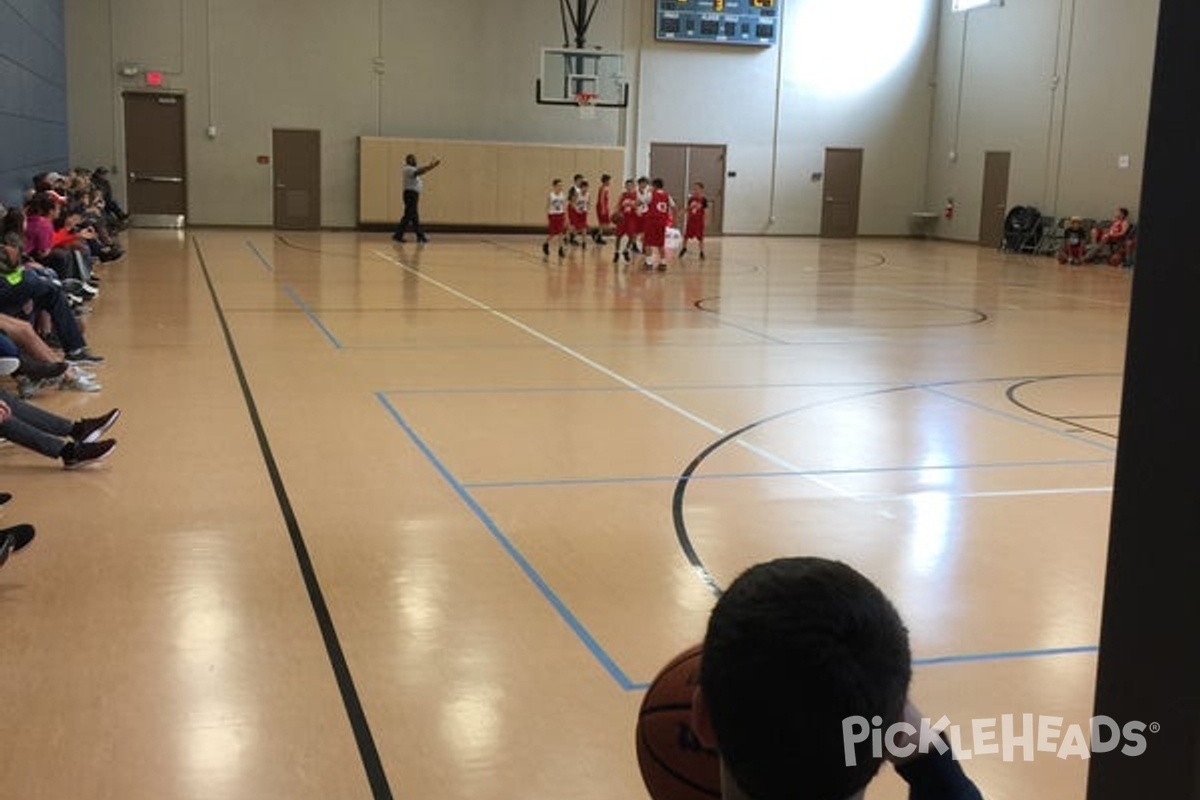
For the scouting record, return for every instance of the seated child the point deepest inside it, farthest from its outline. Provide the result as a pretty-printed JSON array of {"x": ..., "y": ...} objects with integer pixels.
[{"x": 1074, "y": 244}]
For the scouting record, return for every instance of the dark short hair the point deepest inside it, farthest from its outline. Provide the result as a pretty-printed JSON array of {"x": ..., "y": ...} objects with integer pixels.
[{"x": 794, "y": 647}]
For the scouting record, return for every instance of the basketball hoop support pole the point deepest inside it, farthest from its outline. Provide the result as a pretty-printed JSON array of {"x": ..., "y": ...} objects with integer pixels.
[{"x": 580, "y": 19}]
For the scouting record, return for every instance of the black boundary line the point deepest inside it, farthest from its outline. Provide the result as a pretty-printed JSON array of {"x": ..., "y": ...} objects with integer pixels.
[
  {"x": 1069, "y": 420},
  {"x": 376, "y": 776}
]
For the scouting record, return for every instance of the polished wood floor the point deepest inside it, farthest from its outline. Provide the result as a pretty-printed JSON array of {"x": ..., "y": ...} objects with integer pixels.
[{"x": 388, "y": 521}]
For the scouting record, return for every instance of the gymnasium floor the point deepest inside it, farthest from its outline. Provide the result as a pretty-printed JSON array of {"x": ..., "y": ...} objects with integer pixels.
[{"x": 388, "y": 521}]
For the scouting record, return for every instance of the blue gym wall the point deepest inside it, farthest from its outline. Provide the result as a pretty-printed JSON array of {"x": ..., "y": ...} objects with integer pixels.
[{"x": 33, "y": 93}]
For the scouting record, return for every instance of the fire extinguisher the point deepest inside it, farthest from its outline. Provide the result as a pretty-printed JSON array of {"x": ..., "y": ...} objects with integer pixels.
[{"x": 948, "y": 211}]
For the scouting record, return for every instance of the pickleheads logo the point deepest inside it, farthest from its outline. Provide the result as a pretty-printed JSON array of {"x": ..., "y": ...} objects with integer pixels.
[{"x": 1011, "y": 736}]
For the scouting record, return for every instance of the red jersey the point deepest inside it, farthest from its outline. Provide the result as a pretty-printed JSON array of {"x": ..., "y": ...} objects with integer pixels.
[
  {"x": 659, "y": 207},
  {"x": 603, "y": 212}
]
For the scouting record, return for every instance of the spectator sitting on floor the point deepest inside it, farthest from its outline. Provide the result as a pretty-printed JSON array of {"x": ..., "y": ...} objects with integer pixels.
[
  {"x": 1106, "y": 241},
  {"x": 76, "y": 443},
  {"x": 1074, "y": 244}
]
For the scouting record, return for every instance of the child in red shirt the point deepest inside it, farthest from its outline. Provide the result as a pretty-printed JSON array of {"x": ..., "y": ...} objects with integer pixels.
[
  {"x": 626, "y": 220},
  {"x": 696, "y": 207},
  {"x": 654, "y": 226}
]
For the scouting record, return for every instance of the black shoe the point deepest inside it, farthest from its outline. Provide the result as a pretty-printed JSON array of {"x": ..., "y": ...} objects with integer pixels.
[
  {"x": 626, "y": 254},
  {"x": 396, "y": 237},
  {"x": 422, "y": 239},
  {"x": 683, "y": 252},
  {"x": 84, "y": 356},
  {"x": 545, "y": 248},
  {"x": 20, "y": 535},
  {"x": 5, "y": 497},
  {"x": 37, "y": 370},
  {"x": 701, "y": 255},
  {"x": 89, "y": 429},
  {"x": 77, "y": 454},
  {"x": 616, "y": 256},
  {"x": 562, "y": 253}
]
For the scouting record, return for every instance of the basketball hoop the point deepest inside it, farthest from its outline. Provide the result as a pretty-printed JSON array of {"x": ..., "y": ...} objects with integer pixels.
[{"x": 587, "y": 104}]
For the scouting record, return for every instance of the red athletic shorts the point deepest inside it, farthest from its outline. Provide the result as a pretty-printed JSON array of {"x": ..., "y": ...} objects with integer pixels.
[
  {"x": 654, "y": 231},
  {"x": 556, "y": 224}
]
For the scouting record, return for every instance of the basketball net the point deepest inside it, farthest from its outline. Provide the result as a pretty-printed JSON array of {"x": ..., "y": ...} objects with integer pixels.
[{"x": 587, "y": 104}]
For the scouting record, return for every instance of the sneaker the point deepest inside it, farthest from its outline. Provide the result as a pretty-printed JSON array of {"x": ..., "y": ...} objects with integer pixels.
[
  {"x": 545, "y": 248},
  {"x": 662, "y": 267},
  {"x": 701, "y": 255},
  {"x": 78, "y": 454},
  {"x": 9, "y": 365},
  {"x": 78, "y": 382},
  {"x": 89, "y": 429},
  {"x": 616, "y": 256},
  {"x": 626, "y": 254},
  {"x": 20, "y": 536},
  {"x": 5, "y": 497},
  {"x": 562, "y": 253},
  {"x": 27, "y": 387},
  {"x": 84, "y": 356},
  {"x": 37, "y": 369},
  {"x": 397, "y": 238},
  {"x": 422, "y": 239}
]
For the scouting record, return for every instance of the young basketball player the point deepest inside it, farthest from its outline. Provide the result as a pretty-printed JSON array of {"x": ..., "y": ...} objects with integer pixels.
[
  {"x": 577, "y": 213},
  {"x": 654, "y": 226},
  {"x": 626, "y": 219},
  {"x": 572, "y": 191},
  {"x": 603, "y": 209},
  {"x": 697, "y": 206},
  {"x": 643, "y": 195},
  {"x": 556, "y": 218}
]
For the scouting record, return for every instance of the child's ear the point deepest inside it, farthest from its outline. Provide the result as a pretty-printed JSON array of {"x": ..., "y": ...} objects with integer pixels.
[{"x": 702, "y": 721}]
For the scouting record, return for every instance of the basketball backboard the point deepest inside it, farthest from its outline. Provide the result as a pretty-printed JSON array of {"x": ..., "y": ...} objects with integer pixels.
[{"x": 567, "y": 73}]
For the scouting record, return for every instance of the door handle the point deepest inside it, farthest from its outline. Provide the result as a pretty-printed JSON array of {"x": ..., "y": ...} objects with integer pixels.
[
  {"x": 280, "y": 186},
  {"x": 133, "y": 176}
]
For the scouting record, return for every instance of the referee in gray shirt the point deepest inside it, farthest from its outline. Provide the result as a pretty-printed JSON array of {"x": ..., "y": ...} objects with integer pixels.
[{"x": 412, "y": 198}]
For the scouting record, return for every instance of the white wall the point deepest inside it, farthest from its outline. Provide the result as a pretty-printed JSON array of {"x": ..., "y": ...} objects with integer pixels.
[
  {"x": 1061, "y": 84},
  {"x": 466, "y": 69}
]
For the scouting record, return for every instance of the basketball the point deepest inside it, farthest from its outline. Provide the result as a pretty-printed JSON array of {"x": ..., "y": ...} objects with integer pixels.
[{"x": 674, "y": 765}]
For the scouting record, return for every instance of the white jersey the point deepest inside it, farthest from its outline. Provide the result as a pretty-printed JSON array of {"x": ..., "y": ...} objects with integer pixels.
[
  {"x": 557, "y": 203},
  {"x": 643, "y": 197},
  {"x": 582, "y": 202}
]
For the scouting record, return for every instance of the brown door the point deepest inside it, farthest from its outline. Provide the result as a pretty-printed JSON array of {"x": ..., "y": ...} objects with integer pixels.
[
  {"x": 297, "y": 159},
  {"x": 843, "y": 182},
  {"x": 993, "y": 207},
  {"x": 681, "y": 165},
  {"x": 155, "y": 159}
]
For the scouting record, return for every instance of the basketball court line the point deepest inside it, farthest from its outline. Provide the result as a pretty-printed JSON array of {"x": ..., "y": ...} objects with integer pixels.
[{"x": 356, "y": 714}]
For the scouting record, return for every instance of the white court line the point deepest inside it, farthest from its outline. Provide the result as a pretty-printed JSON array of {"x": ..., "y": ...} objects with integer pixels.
[
  {"x": 884, "y": 498},
  {"x": 643, "y": 391}
]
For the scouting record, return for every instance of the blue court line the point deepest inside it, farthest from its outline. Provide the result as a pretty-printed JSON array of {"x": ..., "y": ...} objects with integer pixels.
[
  {"x": 1006, "y": 655},
  {"x": 515, "y": 484},
  {"x": 556, "y": 603},
  {"x": 312, "y": 317},
  {"x": 266, "y": 264}
]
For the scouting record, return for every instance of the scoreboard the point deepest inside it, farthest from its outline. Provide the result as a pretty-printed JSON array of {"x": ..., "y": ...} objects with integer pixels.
[{"x": 746, "y": 22}]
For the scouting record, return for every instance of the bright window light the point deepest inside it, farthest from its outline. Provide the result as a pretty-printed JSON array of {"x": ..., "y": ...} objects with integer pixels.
[
  {"x": 967, "y": 5},
  {"x": 845, "y": 47}
]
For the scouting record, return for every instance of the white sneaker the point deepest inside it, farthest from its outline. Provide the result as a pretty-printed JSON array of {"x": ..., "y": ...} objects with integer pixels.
[{"x": 78, "y": 383}]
